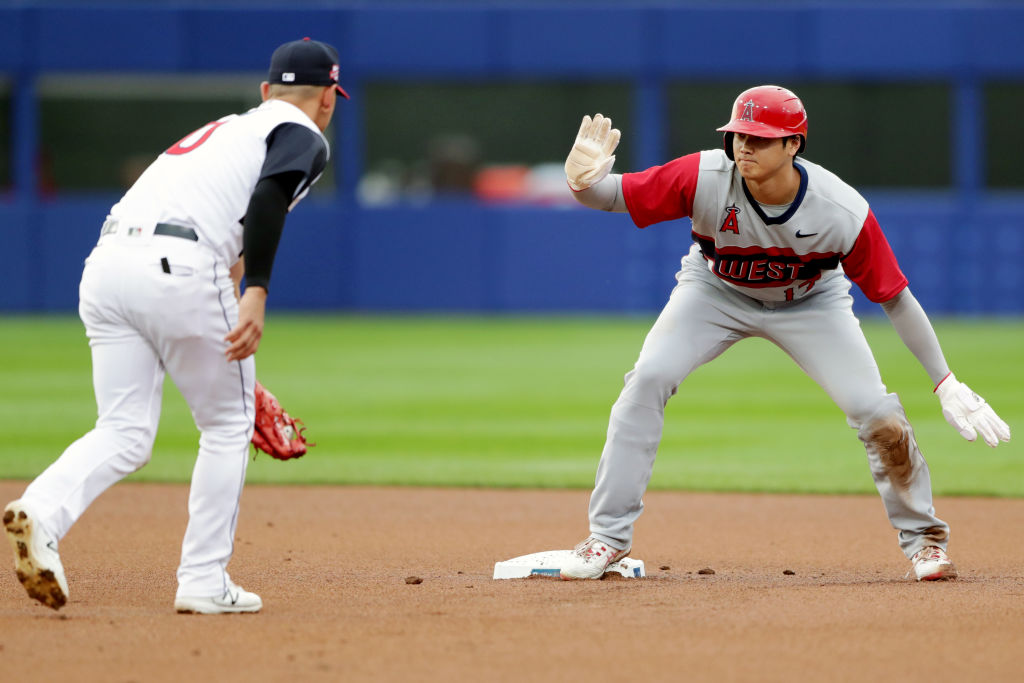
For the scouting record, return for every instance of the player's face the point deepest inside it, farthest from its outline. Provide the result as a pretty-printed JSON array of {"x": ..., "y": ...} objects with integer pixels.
[{"x": 760, "y": 158}]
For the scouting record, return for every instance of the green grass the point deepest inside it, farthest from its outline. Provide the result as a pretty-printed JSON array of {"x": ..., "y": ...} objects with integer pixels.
[{"x": 524, "y": 401}]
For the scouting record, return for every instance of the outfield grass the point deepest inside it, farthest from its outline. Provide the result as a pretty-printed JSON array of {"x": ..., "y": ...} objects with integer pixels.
[{"x": 524, "y": 401}]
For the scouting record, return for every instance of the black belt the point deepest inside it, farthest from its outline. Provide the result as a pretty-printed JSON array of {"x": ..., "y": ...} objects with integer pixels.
[{"x": 175, "y": 231}]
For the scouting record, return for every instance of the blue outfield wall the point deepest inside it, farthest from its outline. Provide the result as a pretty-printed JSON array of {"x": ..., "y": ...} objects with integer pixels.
[
  {"x": 465, "y": 257},
  {"x": 962, "y": 250}
]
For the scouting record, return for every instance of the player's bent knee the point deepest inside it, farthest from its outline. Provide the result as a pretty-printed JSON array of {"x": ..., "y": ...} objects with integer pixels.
[
  {"x": 889, "y": 441},
  {"x": 133, "y": 446},
  {"x": 874, "y": 410},
  {"x": 649, "y": 384}
]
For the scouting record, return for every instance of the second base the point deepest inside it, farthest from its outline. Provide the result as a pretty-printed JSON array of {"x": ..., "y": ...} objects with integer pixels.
[{"x": 549, "y": 563}]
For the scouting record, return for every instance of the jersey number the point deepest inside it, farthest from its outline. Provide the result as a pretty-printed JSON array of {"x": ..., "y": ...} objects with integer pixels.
[{"x": 194, "y": 139}]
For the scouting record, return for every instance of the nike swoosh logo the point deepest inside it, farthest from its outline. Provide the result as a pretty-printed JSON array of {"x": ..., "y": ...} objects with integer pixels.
[{"x": 809, "y": 234}]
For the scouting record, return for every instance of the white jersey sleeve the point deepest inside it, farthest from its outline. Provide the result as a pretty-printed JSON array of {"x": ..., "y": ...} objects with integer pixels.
[{"x": 205, "y": 180}]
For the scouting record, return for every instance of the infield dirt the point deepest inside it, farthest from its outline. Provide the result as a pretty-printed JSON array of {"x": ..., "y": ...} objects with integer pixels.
[{"x": 332, "y": 564}]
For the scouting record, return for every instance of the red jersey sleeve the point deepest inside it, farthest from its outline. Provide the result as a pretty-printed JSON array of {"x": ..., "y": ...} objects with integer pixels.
[
  {"x": 662, "y": 193},
  {"x": 872, "y": 265}
]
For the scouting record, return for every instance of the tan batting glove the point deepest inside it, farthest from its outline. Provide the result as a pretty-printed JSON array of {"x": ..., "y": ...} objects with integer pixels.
[
  {"x": 969, "y": 414},
  {"x": 591, "y": 156}
]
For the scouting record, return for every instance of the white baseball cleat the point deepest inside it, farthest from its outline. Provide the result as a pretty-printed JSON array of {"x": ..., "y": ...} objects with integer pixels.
[
  {"x": 235, "y": 600},
  {"x": 36, "y": 560},
  {"x": 590, "y": 560},
  {"x": 932, "y": 564}
]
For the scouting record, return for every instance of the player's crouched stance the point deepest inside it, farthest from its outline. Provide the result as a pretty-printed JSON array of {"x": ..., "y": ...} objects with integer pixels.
[
  {"x": 160, "y": 295},
  {"x": 774, "y": 235}
]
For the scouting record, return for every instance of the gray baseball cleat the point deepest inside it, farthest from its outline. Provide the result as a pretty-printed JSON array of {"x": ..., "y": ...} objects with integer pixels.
[
  {"x": 36, "y": 560},
  {"x": 235, "y": 600},
  {"x": 932, "y": 564},
  {"x": 590, "y": 560}
]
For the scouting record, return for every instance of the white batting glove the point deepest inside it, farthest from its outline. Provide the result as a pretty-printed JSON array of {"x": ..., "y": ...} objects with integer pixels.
[
  {"x": 969, "y": 414},
  {"x": 591, "y": 156}
]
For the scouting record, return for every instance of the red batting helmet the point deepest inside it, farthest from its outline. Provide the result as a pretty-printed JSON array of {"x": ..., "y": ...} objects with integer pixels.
[{"x": 767, "y": 111}]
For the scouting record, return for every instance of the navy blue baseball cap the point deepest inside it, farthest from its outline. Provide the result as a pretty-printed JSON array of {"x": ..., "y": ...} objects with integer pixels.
[{"x": 305, "y": 62}]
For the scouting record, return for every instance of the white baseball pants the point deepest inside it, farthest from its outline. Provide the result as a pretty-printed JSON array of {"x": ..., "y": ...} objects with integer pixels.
[
  {"x": 703, "y": 318},
  {"x": 142, "y": 322}
]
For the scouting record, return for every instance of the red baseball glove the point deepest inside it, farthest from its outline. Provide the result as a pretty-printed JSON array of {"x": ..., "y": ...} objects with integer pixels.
[{"x": 276, "y": 432}]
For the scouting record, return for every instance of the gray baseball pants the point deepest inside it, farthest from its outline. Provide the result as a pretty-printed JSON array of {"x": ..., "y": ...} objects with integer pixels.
[{"x": 703, "y": 318}]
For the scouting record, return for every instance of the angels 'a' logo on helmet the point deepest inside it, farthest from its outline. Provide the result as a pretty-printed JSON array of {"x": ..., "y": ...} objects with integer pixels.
[{"x": 748, "y": 111}]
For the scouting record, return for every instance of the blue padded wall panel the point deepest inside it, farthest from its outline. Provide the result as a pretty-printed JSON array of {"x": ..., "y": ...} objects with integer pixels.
[
  {"x": 14, "y": 40},
  {"x": 919, "y": 237},
  {"x": 563, "y": 260},
  {"x": 742, "y": 41},
  {"x": 21, "y": 287},
  {"x": 993, "y": 39},
  {"x": 67, "y": 232},
  {"x": 989, "y": 252},
  {"x": 423, "y": 259},
  {"x": 107, "y": 39},
  {"x": 314, "y": 262},
  {"x": 413, "y": 41},
  {"x": 224, "y": 39},
  {"x": 466, "y": 257},
  {"x": 560, "y": 41},
  {"x": 899, "y": 42}
]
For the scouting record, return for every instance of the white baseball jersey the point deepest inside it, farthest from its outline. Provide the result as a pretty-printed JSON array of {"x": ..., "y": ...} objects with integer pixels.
[
  {"x": 826, "y": 230},
  {"x": 205, "y": 180},
  {"x": 158, "y": 302}
]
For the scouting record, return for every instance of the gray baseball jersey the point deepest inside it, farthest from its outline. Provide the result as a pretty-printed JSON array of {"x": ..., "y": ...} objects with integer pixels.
[{"x": 827, "y": 230}]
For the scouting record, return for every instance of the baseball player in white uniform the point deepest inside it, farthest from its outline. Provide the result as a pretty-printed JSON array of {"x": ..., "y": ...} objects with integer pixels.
[
  {"x": 777, "y": 240},
  {"x": 160, "y": 294}
]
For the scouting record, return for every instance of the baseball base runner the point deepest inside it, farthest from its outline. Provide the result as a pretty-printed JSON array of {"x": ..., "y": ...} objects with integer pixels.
[{"x": 777, "y": 240}]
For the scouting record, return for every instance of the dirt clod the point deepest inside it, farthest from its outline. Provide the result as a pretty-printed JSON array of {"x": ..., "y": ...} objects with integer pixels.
[
  {"x": 706, "y": 570},
  {"x": 413, "y": 579}
]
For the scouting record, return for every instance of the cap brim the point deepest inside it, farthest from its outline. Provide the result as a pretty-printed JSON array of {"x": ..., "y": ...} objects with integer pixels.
[
  {"x": 760, "y": 130},
  {"x": 341, "y": 92}
]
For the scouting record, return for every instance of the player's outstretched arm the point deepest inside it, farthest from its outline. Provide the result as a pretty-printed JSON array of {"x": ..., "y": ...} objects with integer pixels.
[
  {"x": 916, "y": 331},
  {"x": 605, "y": 195},
  {"x": 967, "y": 412}
]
